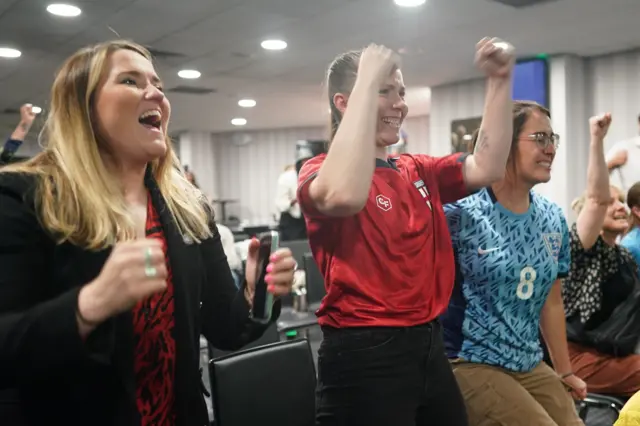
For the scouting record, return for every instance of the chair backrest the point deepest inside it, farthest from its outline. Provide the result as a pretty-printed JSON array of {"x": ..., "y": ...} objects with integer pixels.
[
  {"x": 314, "y": 279},
  {"x": 269, "y": 336},
  {"x": 268, "y": 385}
]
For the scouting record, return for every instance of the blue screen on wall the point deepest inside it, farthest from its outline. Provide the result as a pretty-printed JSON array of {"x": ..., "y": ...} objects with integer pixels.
[{"x": 531, "y": 81}]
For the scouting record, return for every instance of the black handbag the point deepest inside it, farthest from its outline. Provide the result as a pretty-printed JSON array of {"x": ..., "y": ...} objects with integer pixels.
[{"x": 619, "y": 333}]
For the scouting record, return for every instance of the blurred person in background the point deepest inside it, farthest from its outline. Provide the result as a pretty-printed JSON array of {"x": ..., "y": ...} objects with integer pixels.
[
  {"x": 631, "y": 240},
  {"x": 229, "y": 245},
  {"x": 15, "y": 141},
  {"x": 290, "y": 221},
  {"x": 190, "y": 176},
  {"x": 623, "y": 162},
  {"x": 226, "y": 237},
  {"x": 111, "y": 262},
  {"x": 601, "y": 282}
]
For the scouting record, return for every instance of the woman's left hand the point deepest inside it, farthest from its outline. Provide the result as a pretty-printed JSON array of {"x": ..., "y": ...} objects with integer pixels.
[
  {"x": 280, "y": 270},
  {"x": 577, "y": 386}
]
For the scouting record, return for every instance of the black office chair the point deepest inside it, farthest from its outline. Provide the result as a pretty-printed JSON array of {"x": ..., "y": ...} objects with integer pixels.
[
  {"x": 269, "y": 336},
  {"x": 268, "y": 385},
  {"x": 599, "y": 410}
]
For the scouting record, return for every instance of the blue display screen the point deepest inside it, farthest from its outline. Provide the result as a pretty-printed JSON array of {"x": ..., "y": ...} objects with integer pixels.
[{"x": 531, "y": 81}]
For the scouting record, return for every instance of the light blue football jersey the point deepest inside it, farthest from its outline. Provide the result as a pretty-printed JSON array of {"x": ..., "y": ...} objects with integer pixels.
[{"x": 506, "y": 264}]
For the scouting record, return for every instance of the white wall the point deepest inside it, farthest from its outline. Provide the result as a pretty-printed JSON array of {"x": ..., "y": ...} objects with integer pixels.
[
  {"x": 417, "y": 129},
  {"x": 197, "y": 150},
  {"x": 615, "y": 88},
  {"x": 569, "y": 115},
  {"x": 248, "y": 164},
  {"x": 245, "y": 166},
  {"x": 452, "y": 102}
]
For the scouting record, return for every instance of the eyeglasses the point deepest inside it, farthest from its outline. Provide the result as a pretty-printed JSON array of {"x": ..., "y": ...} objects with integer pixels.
[{"x": 543, "y": 140}]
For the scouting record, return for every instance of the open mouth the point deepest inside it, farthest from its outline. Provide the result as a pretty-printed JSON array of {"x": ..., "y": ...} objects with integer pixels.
[
  {"x": 545, "y": 164},
  {"x": 151, "y": 119},
  {"x": 391, "y": 121}
]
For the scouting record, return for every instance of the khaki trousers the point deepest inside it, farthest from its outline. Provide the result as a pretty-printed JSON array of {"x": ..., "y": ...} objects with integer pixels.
[{"x": 498, "y": 397}]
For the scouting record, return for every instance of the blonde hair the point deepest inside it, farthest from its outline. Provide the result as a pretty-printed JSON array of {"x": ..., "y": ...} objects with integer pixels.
[
  {"x": 78, "y": 199},
  {"x": 578, "y": 204}
]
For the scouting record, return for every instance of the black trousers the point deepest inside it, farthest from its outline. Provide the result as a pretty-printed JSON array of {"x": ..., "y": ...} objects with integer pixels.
[{"x": 387, "y": 376}]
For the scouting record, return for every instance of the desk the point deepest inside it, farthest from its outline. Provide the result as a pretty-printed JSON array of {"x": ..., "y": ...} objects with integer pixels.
[
  {"x": 223, "y": 208},
  {"x": 291, "y": 320}
]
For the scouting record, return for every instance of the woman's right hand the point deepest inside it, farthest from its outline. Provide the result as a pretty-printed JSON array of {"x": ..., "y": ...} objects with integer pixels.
[
  {"x": 599, "y": 126},
  {"x": 377, "y": 63},
  {"x": 134, "y": 271}
]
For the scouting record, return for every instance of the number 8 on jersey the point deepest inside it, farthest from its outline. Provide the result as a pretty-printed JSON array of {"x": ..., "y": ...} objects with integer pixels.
[{"x": 524, "y": 290}]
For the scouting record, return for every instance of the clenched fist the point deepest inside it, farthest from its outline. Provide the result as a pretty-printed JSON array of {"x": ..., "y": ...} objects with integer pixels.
[
  {"x": 377, "y": 62},
  {"x": 134, "y": 271},
  {"x": 495, "y": 57}
]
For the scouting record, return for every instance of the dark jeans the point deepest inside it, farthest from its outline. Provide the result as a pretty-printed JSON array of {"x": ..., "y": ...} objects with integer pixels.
[{"x": 387, "y": 376}]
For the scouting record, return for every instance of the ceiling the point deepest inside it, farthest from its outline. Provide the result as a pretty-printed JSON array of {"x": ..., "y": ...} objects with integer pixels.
[{"x": 221, "y": 39}]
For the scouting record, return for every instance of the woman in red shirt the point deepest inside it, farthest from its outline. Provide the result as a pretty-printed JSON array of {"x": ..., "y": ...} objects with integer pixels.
[{"x": 378, "y": 233}]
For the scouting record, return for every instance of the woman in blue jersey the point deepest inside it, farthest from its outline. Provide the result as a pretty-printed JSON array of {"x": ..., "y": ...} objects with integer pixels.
[{"x": 512, "y": 250}]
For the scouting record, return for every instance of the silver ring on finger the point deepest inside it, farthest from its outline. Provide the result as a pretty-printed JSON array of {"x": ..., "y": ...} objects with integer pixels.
[{"x": 150, "y": 271}]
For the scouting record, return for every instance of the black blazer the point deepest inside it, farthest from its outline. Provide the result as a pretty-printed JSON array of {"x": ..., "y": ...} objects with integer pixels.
[{"x": 48, "y": 375}]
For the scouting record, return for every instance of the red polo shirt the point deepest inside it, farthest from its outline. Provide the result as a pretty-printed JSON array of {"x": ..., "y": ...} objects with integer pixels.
[{"x": 392, "y": 263}]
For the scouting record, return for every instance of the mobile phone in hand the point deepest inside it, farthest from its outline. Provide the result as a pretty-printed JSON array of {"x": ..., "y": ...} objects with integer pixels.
[{"x": 262, "y": 299}]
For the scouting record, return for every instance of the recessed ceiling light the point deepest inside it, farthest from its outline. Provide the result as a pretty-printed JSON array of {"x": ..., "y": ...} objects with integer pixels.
[
  {"x": 7, "y": 52},
  {"x": 189, "y": 74},
  {"x": 274, "y": 44},
  {"x": 36, "y": 109},
  {"x": 66, "y": 10},
  {"x": 239, "y": 121},
  {"x": 246, "y": 103},
  {"x": 410, "y": 3}
]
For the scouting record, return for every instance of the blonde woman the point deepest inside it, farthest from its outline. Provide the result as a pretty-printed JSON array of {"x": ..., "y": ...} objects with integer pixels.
[
  {"x": 111, "y": 263},
  {"x": 601, "y": 278}
]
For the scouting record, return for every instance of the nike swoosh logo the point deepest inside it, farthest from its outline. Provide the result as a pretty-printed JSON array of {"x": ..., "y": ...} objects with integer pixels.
[{"x": 482, "y": 251}]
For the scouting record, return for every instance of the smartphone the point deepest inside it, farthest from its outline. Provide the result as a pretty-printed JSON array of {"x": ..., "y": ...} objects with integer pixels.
[{"x": 262, "y": 299}]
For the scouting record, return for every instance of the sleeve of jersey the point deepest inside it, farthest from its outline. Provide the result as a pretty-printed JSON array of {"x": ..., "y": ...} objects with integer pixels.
[
  {"x": 564, "y": 258},
  {"x": 448, "y": 174},
  {"x": 307, "y": 174}
]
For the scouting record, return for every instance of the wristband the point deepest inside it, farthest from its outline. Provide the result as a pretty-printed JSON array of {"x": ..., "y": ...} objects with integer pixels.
[{"x": 564, "y": 376}]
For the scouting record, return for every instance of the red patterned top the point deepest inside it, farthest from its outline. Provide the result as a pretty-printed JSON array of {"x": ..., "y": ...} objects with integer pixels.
[{"x": 155, "y": 348}]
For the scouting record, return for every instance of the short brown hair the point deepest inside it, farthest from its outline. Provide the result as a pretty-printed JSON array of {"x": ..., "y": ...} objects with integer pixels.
[{"x": 522, "y": 110}]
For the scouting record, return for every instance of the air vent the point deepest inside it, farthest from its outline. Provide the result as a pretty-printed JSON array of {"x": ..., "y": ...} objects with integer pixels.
[
  {"x": 190, "y": 90},
  {"x": 11, "y": 111},
  {"x": 163, "y": 54},
  {"x": 519, "y": 4}
]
